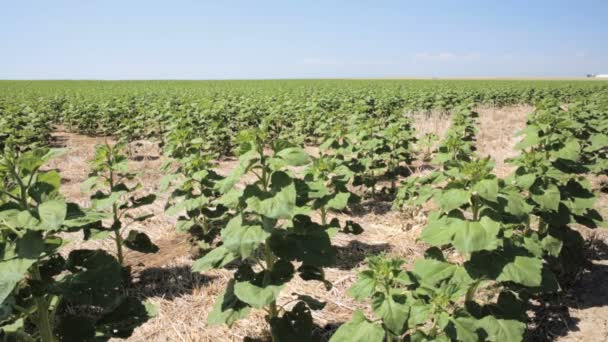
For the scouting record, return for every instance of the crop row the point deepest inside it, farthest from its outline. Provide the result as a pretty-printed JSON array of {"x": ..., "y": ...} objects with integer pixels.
[{"x": 495, "y": 244}]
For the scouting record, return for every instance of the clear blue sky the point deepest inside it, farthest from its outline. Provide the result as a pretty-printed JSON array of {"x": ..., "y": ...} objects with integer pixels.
[{"x": 178, "y": 39}]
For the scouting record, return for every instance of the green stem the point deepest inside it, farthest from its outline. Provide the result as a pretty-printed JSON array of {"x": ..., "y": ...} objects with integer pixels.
[
  {"x": 264, "y": 178},
  {"x": 22, "y": 187},
  {"x": 44, "y": 324},
  {"x": 475, "y": 206},
  {"x": 373, "y": 185},
  {"x": 115, "y": 216},
  {"x": 205, "y": 224},
  {"x": 119, "y": 242},
  {"x": 272, "y": 307},
  {"x": 323, "y": 216}
]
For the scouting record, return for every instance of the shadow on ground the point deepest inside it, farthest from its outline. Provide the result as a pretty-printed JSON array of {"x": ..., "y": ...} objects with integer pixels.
[
  {"x": 168, "y": 282},
  {"x": 58, "y": 141},
  {"x": 351, "y": 255},
  {"x": 553, "y": 318},
  {"x": 140, "y": 158},
  {"x": 367, "y": 207}
]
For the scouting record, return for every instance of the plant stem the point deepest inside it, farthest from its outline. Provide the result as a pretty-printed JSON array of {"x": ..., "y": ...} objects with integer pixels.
[
  {"x": 205, "y": 224},
  {"x": 119, "y": 242},
  {"x": 270, "y": 259},
  {"x": 475, "y": 206},
  {"x": 323, "y": 216},
  {"x": 373, "y": 185},
  {"x": 272, "y": 307},
  {"x": 115, "y": 217},
  {"x": 44, "y": 324},
  {"x": 22, "y": 187}
]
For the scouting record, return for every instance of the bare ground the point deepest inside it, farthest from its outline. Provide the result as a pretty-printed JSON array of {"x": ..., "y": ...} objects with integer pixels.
[
  {"x": 496, "y": 135},
  {"x": 184, "y": 298}
]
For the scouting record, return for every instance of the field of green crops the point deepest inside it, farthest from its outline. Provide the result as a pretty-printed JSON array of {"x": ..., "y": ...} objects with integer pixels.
[{"x": 307, "y": 156}]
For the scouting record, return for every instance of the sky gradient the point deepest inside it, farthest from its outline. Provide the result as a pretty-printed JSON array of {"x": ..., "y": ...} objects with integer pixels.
[{"x": 301, "y": 39}]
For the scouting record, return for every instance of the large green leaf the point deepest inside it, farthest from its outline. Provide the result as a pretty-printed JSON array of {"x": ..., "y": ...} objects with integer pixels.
[
  {"x": 431, "y": 271},
  {"x": 525, "y": 181},
  {"x": 548, "y": 199},
  {"x": 598, "y": 142},
  {"x": 46, "y": 183},
  {"x": 552, "y": 245},
  {"x": 10, "y": 218},
  {"x": 439, "y": 231},
  {"x": 466, "y": 328},
  {"x": 317, "y": 189},
  {"x": 26, "y": 220},
  {"x": 293, "y": 156},
  {"x": 78, "y": 217},
  {"x": 338, "y": 201},
  {"x": 393, "y": 310},
  {"x": 487, "y": 189},
  {"x": 523, "y": 270},
  {"x": 12, "y": 272},
  {"x": 31, "y": 245},
  {"x": 245, "y": 161},
  {"x": 52, "y": 214},
  {"x": 306, "y": 241},
  {"x": 531, "y": 137},
  {"x": 452, "y": 199},
  {"x": 502, "y": 330},
  {"x": 419, "y": 313},
  {"x": 472, "y": 236},
  {"x": 242, "y": 240},
  {"x": 89, "y": 183},
  {"x": 570, "y": 151},
  {"x": 228, "y": 308},
  {"x": 365, "y": 285},
  {"x": 187, "y": 205},
  {"x": 219, "y": 257},
  {"x": 358, "y": 329},
  {"x": 516, "y": 204},
  {"x": 101, "y": 201},
  {"x": 257, "y": 296},
  {"x": 282, "y": 204}
]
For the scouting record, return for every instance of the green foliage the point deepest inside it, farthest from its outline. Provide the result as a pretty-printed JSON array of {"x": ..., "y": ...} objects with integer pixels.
[
  {"x": 508, "y": 239},
  {"x": 327, "y": 178},
  {"x": 514, "y": 234},
  {"x": 23, "y": 127},
  {"x": 194, "y": 196},
  {"x": 459, "y": 140},
  {"x": 379, "y": 149},
  {"x": 113, "y": 192},
  {"x": 425, "y": 145},
  {"x": 268, "y": 233},
  {"x": 432, "y": 302},
  {"x": 38, "y": 284},
  {"x": 551, "y": 170}
]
